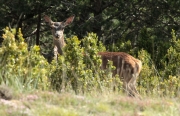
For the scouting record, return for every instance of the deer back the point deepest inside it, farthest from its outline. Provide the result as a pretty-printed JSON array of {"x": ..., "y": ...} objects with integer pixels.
[{"x": 126, "y": 65}]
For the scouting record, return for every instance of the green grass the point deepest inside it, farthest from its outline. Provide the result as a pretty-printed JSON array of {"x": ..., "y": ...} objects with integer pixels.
[{"x": 46, "y": 103}]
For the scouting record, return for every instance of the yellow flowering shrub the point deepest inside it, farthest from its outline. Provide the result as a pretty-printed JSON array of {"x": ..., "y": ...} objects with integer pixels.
[{"x": 19, "y": 67}]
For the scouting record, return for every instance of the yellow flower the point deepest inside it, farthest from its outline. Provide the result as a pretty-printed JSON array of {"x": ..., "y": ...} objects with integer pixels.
[
  {"x": 43, "y": 71},
  {"x": 4, "y": 36},
  {"x": 36, "y": 48}
]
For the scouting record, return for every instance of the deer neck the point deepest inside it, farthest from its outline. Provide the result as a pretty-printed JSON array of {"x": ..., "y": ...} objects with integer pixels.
[{"x": 59, "y": 43}]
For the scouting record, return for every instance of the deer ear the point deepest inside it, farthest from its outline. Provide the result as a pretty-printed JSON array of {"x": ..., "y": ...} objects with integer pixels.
[
  {"x": 69, "y": 20},
  {"x": 47, "y": 19}
]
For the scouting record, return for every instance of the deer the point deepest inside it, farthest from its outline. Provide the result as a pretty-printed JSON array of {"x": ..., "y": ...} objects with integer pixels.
[{"x": 127, "y": 67}]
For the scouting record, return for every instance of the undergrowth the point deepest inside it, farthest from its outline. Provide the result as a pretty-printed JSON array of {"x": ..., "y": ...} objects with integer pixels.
[{"x": 79, "y": 69}]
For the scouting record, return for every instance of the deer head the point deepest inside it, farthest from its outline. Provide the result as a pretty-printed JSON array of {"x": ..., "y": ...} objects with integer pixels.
[{"x": 57, "y": 29}]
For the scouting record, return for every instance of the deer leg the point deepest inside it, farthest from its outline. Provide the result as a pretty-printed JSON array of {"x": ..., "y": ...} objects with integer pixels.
[
  {"x": 55, "y": 52},
  {"x": 132, "y": 85},
  {"x": 132, "y": 92},
  {"x": 125, "y": 82},
  {"x": 125, "y": 87}
]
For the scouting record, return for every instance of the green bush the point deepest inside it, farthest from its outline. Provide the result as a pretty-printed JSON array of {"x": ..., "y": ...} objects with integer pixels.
[
  {"x": 171, "y": 71},
  {"x": 172, "y": 58},
  {"x": 165, "y": 81},
  {"x": 19, "y": 67},
  {"x": 171, "y": 86},
  {"x": 80, "y": 67},
  {"x": 149, "y": 78}
]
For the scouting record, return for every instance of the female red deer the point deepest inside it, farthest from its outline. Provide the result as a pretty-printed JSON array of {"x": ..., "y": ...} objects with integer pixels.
[{"x": 127, "y": 67}]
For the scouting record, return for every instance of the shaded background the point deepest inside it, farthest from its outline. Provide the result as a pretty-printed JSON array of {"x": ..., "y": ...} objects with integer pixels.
[{"x": 145, "y": 24}]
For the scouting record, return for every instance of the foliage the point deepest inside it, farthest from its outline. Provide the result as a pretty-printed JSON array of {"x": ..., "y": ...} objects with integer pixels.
[
  {"x": 172, "y": 58},
  {"x": 146, "y": 24},
  {"x": 19, "y": 67},
  {"x": 165, "y": 81},
  {"x": 81, "y": 67},
  {"x": 170, "y": 86},
  {"x": 149, "y": 78},
  {"x": 171, "y": 72}
]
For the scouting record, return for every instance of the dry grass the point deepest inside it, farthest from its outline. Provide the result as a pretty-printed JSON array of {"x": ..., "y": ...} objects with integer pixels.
[{"x": 42, "y": 103}]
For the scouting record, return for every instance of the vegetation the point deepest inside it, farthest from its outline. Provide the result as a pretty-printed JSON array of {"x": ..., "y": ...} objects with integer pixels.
[
  {"x": 78, "y": 70},
  {"x": 21, "y": 68},
  {"x": 97, "y": 104},
  {"x": 75, "y": 84},
  {"x": 145, "y": 24}
]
